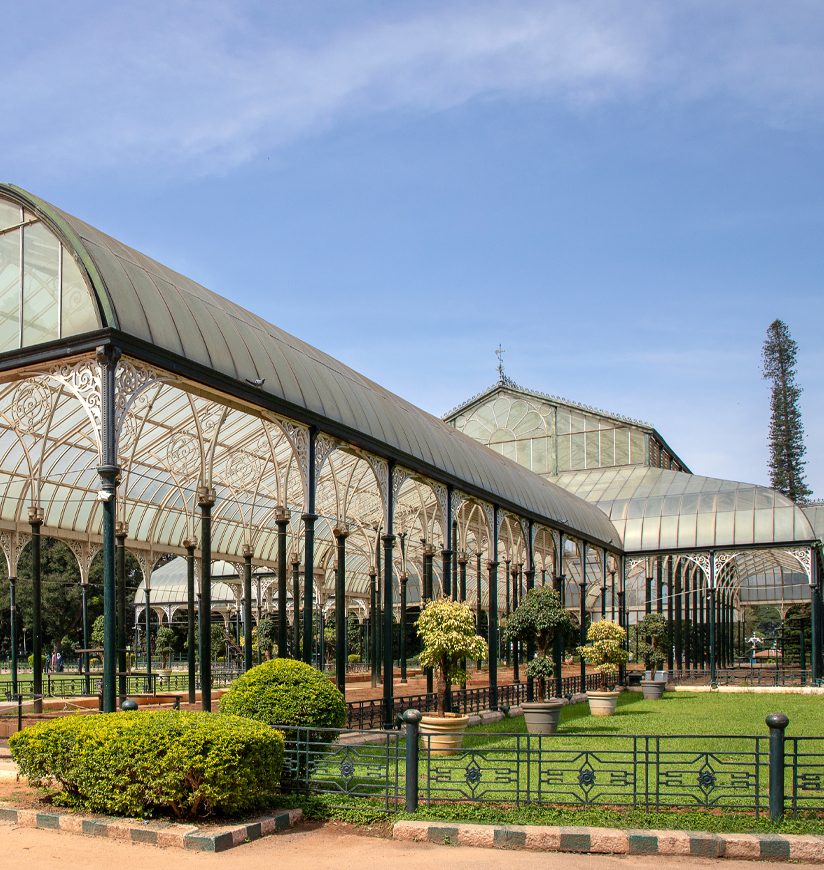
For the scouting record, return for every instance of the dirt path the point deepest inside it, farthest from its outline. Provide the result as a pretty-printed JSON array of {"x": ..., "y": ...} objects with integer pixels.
[{"x": 332, "y": 847}]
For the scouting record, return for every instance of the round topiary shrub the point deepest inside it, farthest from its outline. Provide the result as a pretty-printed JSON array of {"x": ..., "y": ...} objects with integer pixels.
[
  {"x": 185, "y": 765},
  {"x": 286, "y": 692}
]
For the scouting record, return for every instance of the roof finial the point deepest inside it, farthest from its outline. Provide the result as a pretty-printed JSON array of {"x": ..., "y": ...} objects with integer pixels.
[{"x": 500, "y": 354}]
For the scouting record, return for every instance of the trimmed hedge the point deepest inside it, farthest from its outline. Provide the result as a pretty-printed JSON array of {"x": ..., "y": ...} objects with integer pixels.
[
  {"x": 149, "y": 763},
  {"x": 286, "y": 692}
]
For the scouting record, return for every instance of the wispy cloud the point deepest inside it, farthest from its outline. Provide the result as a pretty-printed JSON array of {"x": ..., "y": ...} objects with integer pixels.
[{"x": 205, "y": 86}]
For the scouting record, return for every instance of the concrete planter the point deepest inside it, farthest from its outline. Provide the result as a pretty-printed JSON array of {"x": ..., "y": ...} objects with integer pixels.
[
  {"x": 542, "y": 717},
  {"x": 602, "y": 703},
  {"x": 653, "y": 689},
  {"x": 446, "y": 733}
]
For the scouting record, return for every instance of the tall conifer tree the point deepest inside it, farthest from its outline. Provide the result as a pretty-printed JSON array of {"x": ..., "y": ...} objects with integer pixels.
[{"x": 786, "y": 438}]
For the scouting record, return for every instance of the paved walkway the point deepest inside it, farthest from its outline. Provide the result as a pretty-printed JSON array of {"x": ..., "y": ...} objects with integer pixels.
[{"x": 327, "y": 848}]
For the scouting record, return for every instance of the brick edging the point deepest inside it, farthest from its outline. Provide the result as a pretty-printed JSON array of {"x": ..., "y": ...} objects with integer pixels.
[
  {"x": 617, "y": 841},
  {"x": 157, "y": 833}
]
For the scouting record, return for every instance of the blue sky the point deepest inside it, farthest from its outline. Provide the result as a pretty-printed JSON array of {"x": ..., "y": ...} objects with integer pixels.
[{"x": 623, "y": 194}]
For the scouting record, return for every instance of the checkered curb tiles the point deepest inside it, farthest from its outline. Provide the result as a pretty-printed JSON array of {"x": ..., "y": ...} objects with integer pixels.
[
  {"x": 156, "y": 833},
  {"x": 614, "y": 841}
]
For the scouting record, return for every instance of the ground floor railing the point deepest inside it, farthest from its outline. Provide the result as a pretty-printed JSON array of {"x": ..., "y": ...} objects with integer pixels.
[
  {"x": 765, "y": 774},
  {"x": 746, "y": 675}
]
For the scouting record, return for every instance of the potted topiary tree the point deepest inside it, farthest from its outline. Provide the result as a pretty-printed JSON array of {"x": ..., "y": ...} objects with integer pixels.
[
  {"x": 606, "y": 652},
  {"x": 164, "y": 646},
  {"x": 447, "y": 631},
  {"x": 652, "y": 634},
  {"x": 540, "y": 618}
]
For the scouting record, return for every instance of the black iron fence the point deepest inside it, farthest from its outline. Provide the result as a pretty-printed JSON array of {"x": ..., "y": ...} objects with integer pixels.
[
  {"x": 763, "y": 774},
  {"x": 747, "y": 675},
  {"x": 370, "y": 713}
]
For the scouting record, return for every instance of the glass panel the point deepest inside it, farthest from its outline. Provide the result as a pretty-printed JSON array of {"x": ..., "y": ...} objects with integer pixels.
[
  {"x": 592, "y": 451},
  {"x": 607, "y": 447},
  {"x": 40, "y": 288},
  {"x": 622, "y": 446},
  {"x": 9, "y": 215},
  {"x": 637, "y": 454},
  {"x": 78, "y": 311},
  {"x": 9, "y": 291},
  {"x": 577, "y": 451}
]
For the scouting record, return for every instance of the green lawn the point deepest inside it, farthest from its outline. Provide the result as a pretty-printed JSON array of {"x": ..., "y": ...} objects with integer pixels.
[
  {"x": 698, "y": 752},
  {"x": 691, "y": 713}
]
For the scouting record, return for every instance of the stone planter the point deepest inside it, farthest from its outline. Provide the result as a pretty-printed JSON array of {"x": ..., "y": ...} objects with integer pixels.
[
  {"x": 602, "y": 703},
  {"x": 662, "y": 676},
  {"x": 653, "y": 689},
  {"x": 446, "y": 733},
  {"x": 542, "y": 717}
]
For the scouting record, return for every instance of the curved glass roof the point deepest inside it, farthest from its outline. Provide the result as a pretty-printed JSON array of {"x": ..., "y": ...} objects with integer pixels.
[
  {"x": 190, "y": 324},
  {"x": 654, "y": 509}
]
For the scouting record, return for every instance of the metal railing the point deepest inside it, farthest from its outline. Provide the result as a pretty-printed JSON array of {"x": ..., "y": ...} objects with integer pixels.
[
  {"x": 763, "y": 774},
  {"x": 746, "y": 675},
  {"x": 369, "y": 713}
]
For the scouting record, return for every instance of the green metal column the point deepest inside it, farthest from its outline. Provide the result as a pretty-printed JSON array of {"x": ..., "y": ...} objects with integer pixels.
[
  {"x": 815, "y": 620},
  {"x": 373, "y": 646},
  {"x": 604, "y": 585},
  {"x": 530, "y": 584},
  {"x": 309, "y": 518},
  {"x": 462, "y": 560},
  {"x": 191, "y": 658},
  {"x": 402, "y": 633},
  {"x": 712, "y": 603},
  {"x": 446, "y": 553},
  {"x": 558, "y": 581},
  {"x": 659, "y": 585},
  {"x": 492, "y": 567},
  {"x": 679, "y": 617},
  {"x": 428, "y": 567},
  {"x": 282, "y": 521},
  {"x": 36, "y": 521},
  {"x": 205, "y": 501},
  {"x": 478, "y": 600},
  {"x": 295, "y": 606},
  {"x": 648, "y": 597},
  {"x": 148, "y": 614},
  {"x": 247, "y": 609},
  {"x": 455, "y": 586},
  {"x": 84, "y": 616},
  {"x": 688, "y": 619},
  {"x": 670, "y": 657},
  {"x": 583, "y": 613},
  {"x": 340, "y": 532},
  {"x": 13, "y": 632},
  {"x": 121, "y": 531},
  {"x": 308, "y": 584},
  {"x": 388, "y": 607},
  {"x": 108, "y": 357},
  {"x": 516, "y": 647}
]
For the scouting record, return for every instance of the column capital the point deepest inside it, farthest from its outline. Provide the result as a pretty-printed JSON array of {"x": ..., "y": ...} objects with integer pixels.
[
  {"x": 282, "y": 514},
  {"x": 492, "y": 565},
  {"x": 341, "y": 531},
  {"x": 206, "y": 496},
  {"x": 190, "y": 543},
  {"x": 121, "y": 529},
  {"x": 248, "y": 551},
  {"x": 35, "y": 515}
]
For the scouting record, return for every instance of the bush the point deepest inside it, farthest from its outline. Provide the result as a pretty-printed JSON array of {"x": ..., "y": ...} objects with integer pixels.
[
  {"x": 605, "y": 649},
  {"x": 154, "y": 763},
  {"x": 353, "y": 658},
  {"x": 286, "y": 692}
]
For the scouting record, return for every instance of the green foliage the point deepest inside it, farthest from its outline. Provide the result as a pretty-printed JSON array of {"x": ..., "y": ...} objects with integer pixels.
[
  {"x": 287, "y": 692},
  {"x": 267, "y": 635},
  {"x": 353, "y": 658},
  {"x": 154, "y": 763},
  {"x": 605, "y": 650},
  {"x": 354, "y": 636},
  {"x": 164, "y": 643},
  {"x": 786, "y": 438},
  {"x": 43, "y": 660},
  {"x": 653, "y": 635},
  {"x": 539, "y": 618},
  {"x": 98, "y": 628},
  {"x": 447, "y": 629}
]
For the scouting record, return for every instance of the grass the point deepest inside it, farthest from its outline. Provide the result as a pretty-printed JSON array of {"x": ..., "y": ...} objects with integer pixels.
[
  {"x": 699, "y": 759},
  {"x": 691, "y": 713}
]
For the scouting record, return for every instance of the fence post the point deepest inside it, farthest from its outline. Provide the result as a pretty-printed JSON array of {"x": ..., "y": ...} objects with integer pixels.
[
  {"x": 777, "y": 722},
  {"x": 19, "y": 712},
  {"x": 412, "y": 718}
]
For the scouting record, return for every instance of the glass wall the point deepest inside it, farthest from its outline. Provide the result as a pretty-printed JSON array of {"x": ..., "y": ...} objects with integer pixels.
[
  {"x": 43, "y": 295},
  {"x": 549, "y": 439}
]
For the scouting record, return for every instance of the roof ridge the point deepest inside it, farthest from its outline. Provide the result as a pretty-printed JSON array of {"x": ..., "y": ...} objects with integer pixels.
[{"x": 508, "y": 382}]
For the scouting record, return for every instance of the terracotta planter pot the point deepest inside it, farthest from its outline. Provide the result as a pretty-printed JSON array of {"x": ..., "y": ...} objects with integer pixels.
[
  {"x": 446, "y": 733},
  {"x": 602, "y": 703},
  {"x": 542, "y": 717},
  {"x": 652, "y": 689}
]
